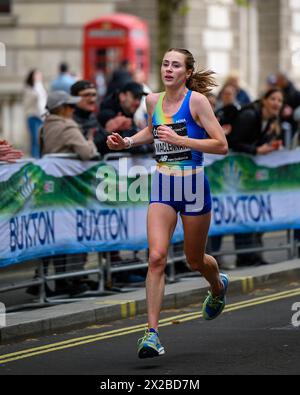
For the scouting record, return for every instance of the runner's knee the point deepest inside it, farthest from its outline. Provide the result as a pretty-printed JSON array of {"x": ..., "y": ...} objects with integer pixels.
[{"x": 157, "y": 260}]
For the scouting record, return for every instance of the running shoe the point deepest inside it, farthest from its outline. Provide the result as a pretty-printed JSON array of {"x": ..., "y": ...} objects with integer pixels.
[
  {"x": 149, "y": 346},
  {"x": 214, "y": 305}
]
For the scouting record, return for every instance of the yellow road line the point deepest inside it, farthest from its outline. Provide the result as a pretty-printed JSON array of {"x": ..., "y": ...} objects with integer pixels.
[
  {"x": 244, "y": 285},
  {"x": 124, "y": 310},
  {"x": 251, "y": 284},
  {"x": 267, "y": 297},
  {"x": 140, "y": 326},
  {"x": 124, "y": 331},
  {"x": 66, "y": 342},
  {"x": 247, "y": 284},
  {"x": 63, "y": 347},
  {"x": 132, "y": 309},
  {"x": 242, "y": 306}
]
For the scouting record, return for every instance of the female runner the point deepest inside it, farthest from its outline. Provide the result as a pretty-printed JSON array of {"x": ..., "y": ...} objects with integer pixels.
[{"x": 182, "y": 126}]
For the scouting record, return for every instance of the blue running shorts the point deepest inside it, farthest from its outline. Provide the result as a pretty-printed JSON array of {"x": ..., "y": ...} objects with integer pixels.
[{"x": 188, "y": 194}]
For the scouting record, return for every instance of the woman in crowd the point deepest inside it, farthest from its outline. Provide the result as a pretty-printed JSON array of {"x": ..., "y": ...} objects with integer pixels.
[{"x": 34, "y": 102}]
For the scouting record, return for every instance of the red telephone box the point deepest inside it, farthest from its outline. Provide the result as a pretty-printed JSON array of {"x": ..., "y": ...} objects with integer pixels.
[{"x": 111, "y": 39}]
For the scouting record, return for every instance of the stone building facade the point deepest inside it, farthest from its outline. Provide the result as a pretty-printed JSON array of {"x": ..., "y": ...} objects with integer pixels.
[{"x": 256, "y": 41}]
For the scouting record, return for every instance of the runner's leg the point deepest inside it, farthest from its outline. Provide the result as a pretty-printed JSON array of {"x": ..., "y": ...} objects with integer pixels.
[
  {"x": 161, "y": 224},
  {"x": 195, "y": 238}
]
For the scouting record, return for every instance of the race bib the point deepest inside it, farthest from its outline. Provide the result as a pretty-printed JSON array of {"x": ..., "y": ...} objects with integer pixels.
[{"x": 165, "y": 152}]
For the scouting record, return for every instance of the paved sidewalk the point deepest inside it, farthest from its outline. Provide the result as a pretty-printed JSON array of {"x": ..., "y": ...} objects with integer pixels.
[{"x": 105, "y": 309}]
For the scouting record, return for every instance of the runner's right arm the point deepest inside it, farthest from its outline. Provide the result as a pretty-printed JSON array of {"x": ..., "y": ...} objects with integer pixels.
[{"x": 145, "y": 136}]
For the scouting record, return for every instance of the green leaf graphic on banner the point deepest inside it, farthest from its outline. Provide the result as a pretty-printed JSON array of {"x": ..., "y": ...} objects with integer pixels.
[
  {"x": 32, "y": 188},
  {"x": 241, "y": 174}
]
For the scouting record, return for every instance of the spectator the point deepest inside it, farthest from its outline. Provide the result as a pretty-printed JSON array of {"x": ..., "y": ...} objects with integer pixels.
[
  {"x": 212, "y": 98},
  {"x": 227, "y": 96},
  {"x": 291, "y": 100},
  {"x": 227, "y": 107},
  {"x": 120, "y": 77},
  {"x": 117, "y": 112},
  {"x": 242, "y": 97},
  {"x": 8, "y": 153},
  {"x": 291, "y": 94},
  {"x": 60, "y": 133},
  {"x": 140, "y": 116},
  {"x": 85, "y": 114},
  {"x": 271, "y": 82},
  {"x": 296, "y": 137},
  {"x": 253, "y": 128},
  {"x": 64, "y": 80},
  {"x": 101, "y": 85},
  {"x": 254, "y": 131},
  {"x": 34, "y": 102}
]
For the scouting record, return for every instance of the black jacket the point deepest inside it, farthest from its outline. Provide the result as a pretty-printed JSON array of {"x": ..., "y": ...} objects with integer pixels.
[
  {"x": 291, "y": 95},
  {"x": 292, "y": 99},
  {"x": 109, "y": 109},
  {"x": 119, "y": 78},
  {"x": 248, "y": 132},
  {"x": 88, "y": 123},
  {"x": 227, "y": 114}
]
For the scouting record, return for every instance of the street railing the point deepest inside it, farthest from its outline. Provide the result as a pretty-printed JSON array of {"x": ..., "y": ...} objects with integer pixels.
[{"x": 54, "y": 193}]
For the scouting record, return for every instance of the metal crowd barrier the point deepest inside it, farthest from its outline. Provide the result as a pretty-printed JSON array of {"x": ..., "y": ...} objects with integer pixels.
[
  {"x": 104, "y": 272},
  {"x": 105, "y": 269}
]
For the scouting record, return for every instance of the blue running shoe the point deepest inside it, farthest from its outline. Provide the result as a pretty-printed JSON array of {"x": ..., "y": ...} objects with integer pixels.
[
  {"x": 149, "y": 346},
  {"x": 214, "y": 305}
]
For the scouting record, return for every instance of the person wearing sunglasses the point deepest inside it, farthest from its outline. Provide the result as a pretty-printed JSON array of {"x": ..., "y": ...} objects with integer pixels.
[{"x": 85, "y": 114}]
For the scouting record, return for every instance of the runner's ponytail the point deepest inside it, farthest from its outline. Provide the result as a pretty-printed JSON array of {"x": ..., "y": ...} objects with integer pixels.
[{"x": 201, "y": 81}]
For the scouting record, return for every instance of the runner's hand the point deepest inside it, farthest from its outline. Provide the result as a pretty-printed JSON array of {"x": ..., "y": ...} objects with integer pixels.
[
  {"x": 167, "y": 135},
  {"x": 115, "y": 142}
]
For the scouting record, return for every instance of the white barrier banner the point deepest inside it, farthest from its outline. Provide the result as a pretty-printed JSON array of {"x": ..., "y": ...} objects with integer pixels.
[{"x": 54, "y": 206}]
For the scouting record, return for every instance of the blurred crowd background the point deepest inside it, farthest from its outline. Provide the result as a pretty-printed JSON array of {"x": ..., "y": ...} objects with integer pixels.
[
  {"x": 48, "y": 105},
  {"x": 255, "y": 40}
]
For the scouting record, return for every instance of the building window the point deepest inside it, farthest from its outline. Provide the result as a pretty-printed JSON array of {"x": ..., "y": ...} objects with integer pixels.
[{"x": 5, "y": 6}]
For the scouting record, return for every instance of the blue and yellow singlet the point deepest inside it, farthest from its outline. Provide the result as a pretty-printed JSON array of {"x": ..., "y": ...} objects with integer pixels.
[{"x": 184, "y": 124}]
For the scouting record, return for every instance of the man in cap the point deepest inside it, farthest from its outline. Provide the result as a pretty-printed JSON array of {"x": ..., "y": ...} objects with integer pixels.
[
  {"x": 117, "y": 111},
  {"x": 85, "y": 114}
]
